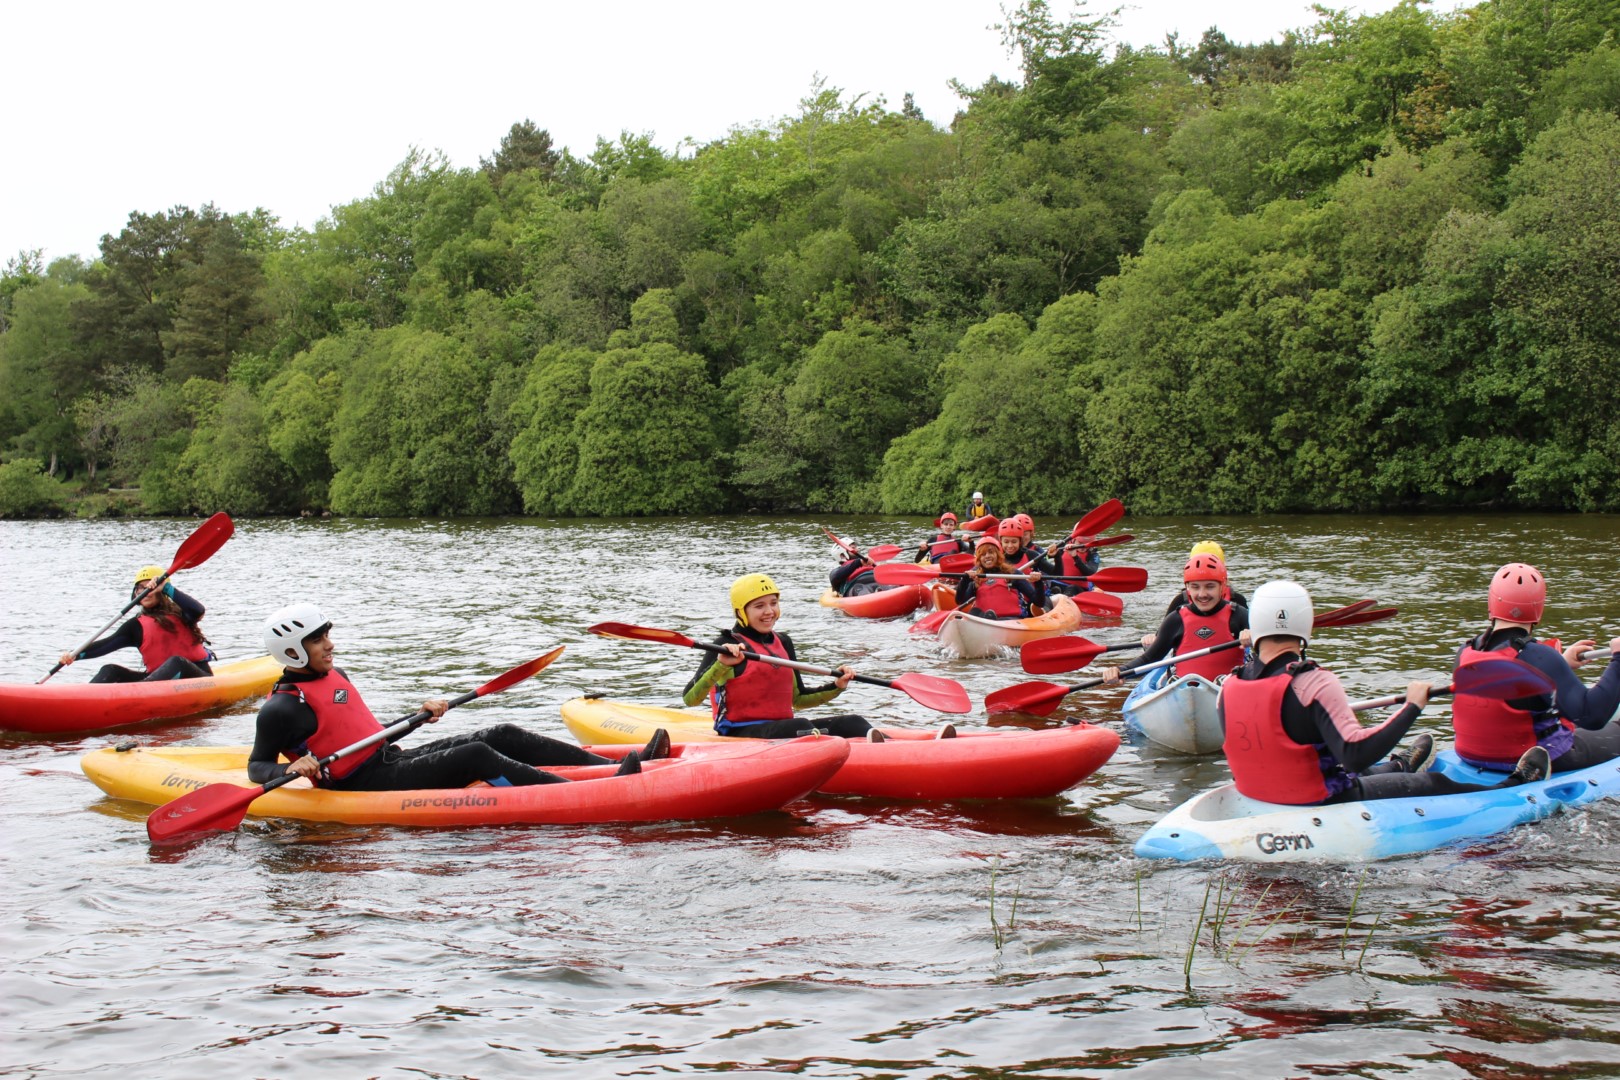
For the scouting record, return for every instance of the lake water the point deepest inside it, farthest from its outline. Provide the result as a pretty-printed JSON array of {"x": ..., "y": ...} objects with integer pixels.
[{"x": 842, "y": 937}]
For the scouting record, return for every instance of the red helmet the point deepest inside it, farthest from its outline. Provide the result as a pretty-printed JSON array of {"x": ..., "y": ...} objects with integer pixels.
[
  {"x": 1025, "y": 522},
  {"x": 988, "y": 539},
  {"x": 1204, "y": 568},
  {"x": 943, "y": 518},
  {"x": 1518, "y": 594},
  {"x": 1010, "y": 527}
]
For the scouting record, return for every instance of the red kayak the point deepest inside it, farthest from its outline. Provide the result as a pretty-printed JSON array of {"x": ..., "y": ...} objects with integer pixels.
[
  {"x": 888, "y": 604},
  {"x": 59, "y": 707}
]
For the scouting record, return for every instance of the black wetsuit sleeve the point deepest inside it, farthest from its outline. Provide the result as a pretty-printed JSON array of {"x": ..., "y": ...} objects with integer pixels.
[
  {"x": 1588, "y": 707},
  {"x": 1309, "y": 724},
  {"x": 284, "y": 724},
  {"x": 1165, "y": 640},
  {"x": 128, "y": 636},
  {"x": 191, "y": 609},
  {"x": 1033, "y": 592},
  {"x": 1239, "y": 619},
  {"x": 842, "y": 575},
  {"x": 966, "y": 589}
]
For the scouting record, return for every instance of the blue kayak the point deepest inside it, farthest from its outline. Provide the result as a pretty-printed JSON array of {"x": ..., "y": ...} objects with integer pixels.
[
  {"x": 1176, "y": 713},
  {"x": 1222, "y": 824}
]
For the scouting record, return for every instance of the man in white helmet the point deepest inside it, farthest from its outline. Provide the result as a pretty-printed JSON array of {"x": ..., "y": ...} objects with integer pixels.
[
  {"x": 977, "y": 507},
  {"x": 315, "y": 710},
  {"x": 1292, "y": 738}
]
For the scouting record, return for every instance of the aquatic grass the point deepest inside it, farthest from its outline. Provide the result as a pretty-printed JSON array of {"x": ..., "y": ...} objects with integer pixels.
[
  {"x": 1138, "y": 899},
  {"x": 1354, "y": 901},
  {"x": 1192, "y": 945},
  {"x": 997, "y": 931},
  {"x": 1362, "y": 955}
]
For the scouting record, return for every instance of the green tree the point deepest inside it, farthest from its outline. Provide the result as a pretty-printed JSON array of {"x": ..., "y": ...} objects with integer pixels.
[{"x": 523, "y": 147}]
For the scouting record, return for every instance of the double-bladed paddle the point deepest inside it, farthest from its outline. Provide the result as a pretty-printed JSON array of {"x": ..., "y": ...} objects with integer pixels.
[
  {"x": 1041, "y": 698},
  {"x": 1498, "y": 677},
  {"x": 1117, "y": 579},
  {"x": 1055, "y": 655},
  {"x": 220, "y": 807},
  {"x": 941, "y": 695},
  {"x": 194, "y": 550},
  {"x": 1103, "y": 517}
]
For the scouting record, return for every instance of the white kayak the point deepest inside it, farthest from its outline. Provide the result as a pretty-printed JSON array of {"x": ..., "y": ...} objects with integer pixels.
[
  {"x": 1177, "y": 713},
  {"x": 971, "y": 636},
  {"x": 1222, "y": 824}
]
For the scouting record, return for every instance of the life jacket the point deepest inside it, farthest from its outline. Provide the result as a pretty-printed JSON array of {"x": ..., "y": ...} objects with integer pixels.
[
  {"x": 341, "y": 719},
  {"x": 976, "y": 510},
  {"x": 762, "y": 692},
  {"x": 1200, "y": 632},
  {"x": 1266, "y": 764},
  {"x": 158, "y": 643},
  {"x": 942, "y": 545},
  {"x": 1068, "y": 565},
  {"x": 1492, "y": 734},
  {"x": 999, "y": 598}
]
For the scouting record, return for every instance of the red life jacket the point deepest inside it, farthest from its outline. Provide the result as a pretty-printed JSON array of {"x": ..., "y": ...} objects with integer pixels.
[
  {"x": 942, "y": 545},
  {"x": 1068, "y": 565},
  {"x": 1200, "y": 632},
  {"x": 158, "y": 644},
  {"x": 999, "y": 598},
  {"x": 1493, "y": 733},
  {"x": 341, "y": 719},
  {"x": 1266, "y": 764},
  {"x": 761, "y": 692}
]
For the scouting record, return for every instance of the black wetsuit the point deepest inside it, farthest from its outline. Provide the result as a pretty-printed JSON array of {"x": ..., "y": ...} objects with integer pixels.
[
  {"x": 130, "y": 635},
  {"x": 856, "y": 578}
]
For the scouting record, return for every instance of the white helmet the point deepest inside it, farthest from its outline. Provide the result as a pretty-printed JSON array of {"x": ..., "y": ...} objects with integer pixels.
[
  {"x": 1281, "y": 609},
  {"x": 286, "y": 629},
  {"x": 977, "y": 495}
]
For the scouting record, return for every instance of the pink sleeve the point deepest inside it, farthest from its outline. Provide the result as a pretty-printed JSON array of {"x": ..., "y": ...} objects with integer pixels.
[{"x": 1321, "y": 687}]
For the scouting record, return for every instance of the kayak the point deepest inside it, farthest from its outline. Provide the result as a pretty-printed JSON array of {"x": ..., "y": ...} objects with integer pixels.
[
  {"x": 884, "y": 604},
  {"x": 1009, "y": 763},
  {"x": 714, "y": 782},
  {"x": 970, "y": 636},
  {"x": 59, "y": 708},
  {"x": 1176, "y": 713},
  {"x": 1221, "y": 824}
]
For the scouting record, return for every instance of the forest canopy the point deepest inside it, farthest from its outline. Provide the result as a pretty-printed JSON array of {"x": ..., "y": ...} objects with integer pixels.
[{"x": 1374, "y": 264}]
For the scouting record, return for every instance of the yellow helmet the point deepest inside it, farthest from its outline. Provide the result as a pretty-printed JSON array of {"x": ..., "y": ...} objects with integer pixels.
[
  {"x": 147, "y": 573},
  {"x": 1207, "y": 547},
  {"x": 748, "y": 588}
]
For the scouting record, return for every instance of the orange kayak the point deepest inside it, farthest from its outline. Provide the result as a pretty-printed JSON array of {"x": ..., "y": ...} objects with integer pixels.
[
  {"x": 887, "y": 604},
  {"x": 62, "y": 707}
]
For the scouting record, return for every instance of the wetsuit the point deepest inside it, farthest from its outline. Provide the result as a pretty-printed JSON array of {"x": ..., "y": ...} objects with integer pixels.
[
  {"x": 132, "y": 636},
  {"x": 501, "y": 755},
  {"x": 938, "y": 547},
  {"x": 1310, "y": 748},
  {"x": 1168, "y": 640},
  {"x": 980, "y": 511},
  {"x": 1028, "y": 593},
  {"x": 1072, "y": 562},
  {"x": 856, "y": 578},
  {"x": 762, "y": 707},
  {"x": 1573, "y": 722},
  {"x": 1179, "y": 601}
]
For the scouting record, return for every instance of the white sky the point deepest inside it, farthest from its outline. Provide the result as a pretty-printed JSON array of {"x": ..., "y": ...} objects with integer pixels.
[{"x": 298, "y": 106}]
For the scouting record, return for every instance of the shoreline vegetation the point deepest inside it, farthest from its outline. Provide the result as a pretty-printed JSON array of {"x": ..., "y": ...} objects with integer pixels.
[{"x": 1367, "y": 266}]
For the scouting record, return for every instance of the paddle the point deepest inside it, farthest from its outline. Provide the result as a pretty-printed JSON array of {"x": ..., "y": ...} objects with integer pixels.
[
  {"x": 1107, "y": 541},
  {"x": 877, "y": 554},
  {"x": 194, "y": 550},
  {"x": 1103, "y": 517},
  {"x": 1501, "y": 678},
  {"x": 1110, "y": 578},
  {"x": 1357, "y": 618},
  {"x": 1041, "y": 698},
  {"x": 941, "y": 695},
  {"x": 1594, "y": 654},
  {"x": 1050, "y": 656},
  {"x": 221, "y": 807}
]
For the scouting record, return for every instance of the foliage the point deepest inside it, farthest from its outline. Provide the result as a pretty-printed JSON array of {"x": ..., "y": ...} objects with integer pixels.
[{"x": 25, "y": 490}]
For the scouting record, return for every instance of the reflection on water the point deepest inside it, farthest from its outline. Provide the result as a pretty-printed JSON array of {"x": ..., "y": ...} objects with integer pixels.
[{"x": 840, "y": 937}]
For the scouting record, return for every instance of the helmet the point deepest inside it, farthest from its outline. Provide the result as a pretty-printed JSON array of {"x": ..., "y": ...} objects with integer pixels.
[
  {"x": 1204, "y": 568},
  {"x": 748, "y": 588},
  {"x": 1207, "y": 547},
  {"x": 1025, "y": 523},
  {"x": 943, "y": 518},
  {"x": 1518, "y": 593},
  {"x": 286, "y": 630},
  {"x": 986, "y": 540},
  {"x": 1281, "y": 609},
  {"x": 1010, "y": 527},
  {"x": 977, "y": 495},
  {"x": 150, "y": 573}
]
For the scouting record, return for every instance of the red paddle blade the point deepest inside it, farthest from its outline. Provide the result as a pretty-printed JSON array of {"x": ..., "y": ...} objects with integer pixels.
[
  {"x": 1357, "y": 618},
  {"x": 1104, "y": 517},
  {"x": 215, "y": 808},
  {"x": 1099, "y": 605},
  {"x": 1325, "y": 618},
  {"x": 955, "y": 564},
  {"x": 1108, "y": 541},
  {"x": 640, "y": 633},
  {"x": 930, "y": 691},
  {"x": 1049, "y": 656},
  {"x": 1501, "y": 678},
  {"x": 882, "y": 552},
  {"x": 904, "y": 574},
  {"x": 521, "y": 672},
  {"x": 930, "y": 623},
  {"x": 1120, "y": 578},
  {"x": 1035, "y": 698},
  {"x": 841, "y": 543},
  {"x": 200, "y": 546}
]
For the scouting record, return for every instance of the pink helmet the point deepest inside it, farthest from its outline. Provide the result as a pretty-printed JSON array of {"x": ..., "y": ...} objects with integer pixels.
[
  {"x": 1518, "y": 594},
  {"x": 1204, "y": 568}
]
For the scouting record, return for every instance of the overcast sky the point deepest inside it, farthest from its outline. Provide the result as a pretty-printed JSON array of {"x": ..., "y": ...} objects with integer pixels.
[{"x": 298, "y": 106}]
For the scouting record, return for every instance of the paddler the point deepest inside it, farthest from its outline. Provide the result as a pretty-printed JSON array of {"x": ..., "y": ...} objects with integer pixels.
[
  {"x": 1210, "y": 619},
  {"x": 172, "y": 645},
  {"x": 942, "y": 543},
  {"x": 755, "y": 700},
  {"x": 998, "y": 598},
  {"x": 856, "y": 576},
  {"x": 1072, "y": 557},
  {"x": 315, "y": 710},
  {"x": 1208, "y": 547},
  {"x": 977, "y": 507},
  {"x": 1574, "y": 724},
  {"x": 1292, "y": 738}
]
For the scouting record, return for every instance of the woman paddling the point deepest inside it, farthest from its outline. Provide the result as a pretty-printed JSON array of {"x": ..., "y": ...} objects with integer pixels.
[
  {"x": 755, "y": 700},
  {"x": 1573, "y": 724},
  {"x": 997, "y": 598},
  {"x": 166, "y": 632},
  {"x": 1209, "y": 620},
  {"x": 1292, "y": 738},
  {"x": 315, "y": 711}
]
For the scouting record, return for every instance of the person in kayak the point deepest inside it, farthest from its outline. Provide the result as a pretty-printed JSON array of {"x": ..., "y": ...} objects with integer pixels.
[
  {"x": 1292, "y": 738},
  {"x": 977, "y": 507},
  {"x": 856, "y": 577},
  {"x": 315, "y": 710},
  {"x": 166, "y": 632},
  {"x": 1071, "y": 557},
  {"x": 754, "y": 700},
  {"x": 1206, "y": 547},
  {"x": 1210, "y": 619},
  {"x": 942, "y": 543},
  {"x": 1574, "y": 724},
  {"x": 997, "y": 598}
]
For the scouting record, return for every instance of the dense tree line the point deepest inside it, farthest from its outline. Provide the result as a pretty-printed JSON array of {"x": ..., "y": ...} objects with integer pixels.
[{"x": 1374, "y": 264}]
